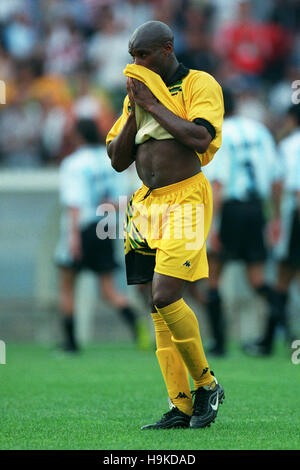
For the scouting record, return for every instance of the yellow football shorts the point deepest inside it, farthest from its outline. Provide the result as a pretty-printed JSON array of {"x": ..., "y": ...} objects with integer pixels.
[{"x": 166, "y": 230}]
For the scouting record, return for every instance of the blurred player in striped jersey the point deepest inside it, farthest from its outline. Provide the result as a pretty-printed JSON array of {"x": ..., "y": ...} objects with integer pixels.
[
  {"x": 244, "y": 175},
  {"x": 287, "y": 251},
  {"x": 86, "y": 181}
]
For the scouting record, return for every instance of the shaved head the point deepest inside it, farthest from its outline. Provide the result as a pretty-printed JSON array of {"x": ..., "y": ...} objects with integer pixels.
[
  {"x": 152, "y": 33},
  {"x": 152, "y": 46}
]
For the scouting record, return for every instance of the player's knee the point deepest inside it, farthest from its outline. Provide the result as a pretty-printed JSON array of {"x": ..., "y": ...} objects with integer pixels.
[
  {"x": 162, "y": 298},
  {"x": 166, "y": 290}
]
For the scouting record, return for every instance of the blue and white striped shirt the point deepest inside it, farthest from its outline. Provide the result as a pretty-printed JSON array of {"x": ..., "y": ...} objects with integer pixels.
[
  {"x": 289, "y": 150},
  {"x": 87, "y": 179},
  {"x": 247, "y": 163}
]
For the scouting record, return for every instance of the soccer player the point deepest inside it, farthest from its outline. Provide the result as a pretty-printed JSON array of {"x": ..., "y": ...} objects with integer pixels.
[
  {"x": 245, "y": 175},
  {"x": 86, "y": 181},
  {"x": 287, "y": 250},
  {"x": 170, "y": 126}
]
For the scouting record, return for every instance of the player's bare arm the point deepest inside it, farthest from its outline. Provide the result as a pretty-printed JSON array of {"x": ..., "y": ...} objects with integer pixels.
[{"x": 122, "y": 149}]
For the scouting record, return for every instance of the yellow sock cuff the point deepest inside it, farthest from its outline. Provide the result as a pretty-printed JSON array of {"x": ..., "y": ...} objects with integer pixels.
[
  {"x": 174, "y": 312},
  {"x": 172, "y": 307},
  {"x": 155, "y": 316},
  {"x": 159, "y": 323}
]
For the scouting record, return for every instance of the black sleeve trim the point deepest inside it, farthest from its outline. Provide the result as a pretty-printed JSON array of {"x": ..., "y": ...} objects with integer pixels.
[{"x": 207, "y": 125}]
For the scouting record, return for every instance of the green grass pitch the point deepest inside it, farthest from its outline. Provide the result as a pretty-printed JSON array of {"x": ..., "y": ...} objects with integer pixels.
[{"x": 99, "y": 400}]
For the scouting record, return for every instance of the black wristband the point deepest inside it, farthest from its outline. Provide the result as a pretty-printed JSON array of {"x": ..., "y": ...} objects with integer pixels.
[{"x": 207, "y": 125}]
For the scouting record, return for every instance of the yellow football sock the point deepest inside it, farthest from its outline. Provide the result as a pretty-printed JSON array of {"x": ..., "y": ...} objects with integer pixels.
[
  {"x": 173, "y": 369},
  {"x": 184, "y": 327}
]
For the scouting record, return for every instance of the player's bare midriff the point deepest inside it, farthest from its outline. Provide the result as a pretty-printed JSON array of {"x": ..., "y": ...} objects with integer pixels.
[{"x": 163, "y": 162}]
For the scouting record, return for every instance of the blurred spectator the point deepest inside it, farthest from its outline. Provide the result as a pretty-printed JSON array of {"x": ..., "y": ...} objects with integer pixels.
[
  {"x": 286, "y": 13},
  {"x": 66, "y": 59},
  {"x": 252, "y": 48},
  {"x": 64, "y": 48},
  {"x": 197, "y": 53},
  {"x": 53, "y": 94},
  {"x": 19, "y": 130},
  {"x": 251, "y": 100},
  {"x": 108, "y": 53},
  {"x": 11, "y": 8},
  {"x": 7, "y": 65},
  {"x": 133, "y": 13},
  {"x": 225, "y": 13},
  {"x": 91, "y": 101},
  {"x": 20, "y": 36}
]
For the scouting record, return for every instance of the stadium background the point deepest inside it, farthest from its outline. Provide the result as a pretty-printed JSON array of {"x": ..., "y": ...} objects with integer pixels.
[{"x": 60, "y": 59}]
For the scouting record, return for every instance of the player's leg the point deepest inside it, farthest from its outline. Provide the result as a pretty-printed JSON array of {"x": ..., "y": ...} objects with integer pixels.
[
  {"x": 226, "y": 244},
  {"x": 214, "y": 307},
  {"x": 278, "y": 311},
  {"x": 289, "y": 267},
  {"x": 99, "y": 257},
  {"x": 179, "y": 259},
  {"x": 146, "y": 337},
  {"x": 174, "y": 373},
  {"x": 286, "y": 275},
  {"x": 255, "y": 256},
  {"x": 168, "y": 299},
  {"x": 176, "y": 378},
  {"x": 144, "y": 293},
  {"x": 256, "y": 277},
  {"x": 183, "y": 324},
  {"x": 198, "y": 295},
  {"x": 120, "y": 302},
  {"x": 67, "y": 280},
  {"x": 277, "y": 298},
  {"x": 211, "y": 301}
]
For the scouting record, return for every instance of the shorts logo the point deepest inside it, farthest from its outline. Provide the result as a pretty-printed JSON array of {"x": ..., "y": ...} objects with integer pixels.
[
  {"x": 181, "y": 395},
  {"x": 187, "y": 264}
]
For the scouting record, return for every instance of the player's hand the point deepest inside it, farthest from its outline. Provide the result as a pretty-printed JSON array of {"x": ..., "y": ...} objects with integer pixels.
[
  {"x": 141, "y": 94},
  {"x": 130, "y": 95}
]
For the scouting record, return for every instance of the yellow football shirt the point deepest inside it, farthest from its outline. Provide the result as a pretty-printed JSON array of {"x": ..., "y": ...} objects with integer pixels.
[{"x": 195, "y": 96}]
